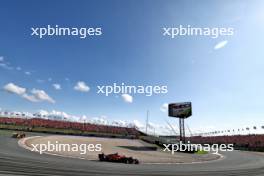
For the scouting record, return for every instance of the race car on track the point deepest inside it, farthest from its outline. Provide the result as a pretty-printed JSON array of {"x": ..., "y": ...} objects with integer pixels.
[
  {"x": 117, "y": 158},
  {"x": 18, "y": 135}
]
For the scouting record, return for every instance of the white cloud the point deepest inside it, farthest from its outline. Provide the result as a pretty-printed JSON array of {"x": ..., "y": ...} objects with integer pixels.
[
  {"x": 83, "y": 118},
  {"x": 28, "y": 73},
  {"x": 40, "y": 81},
  {"x": 12, "y": 88},
  {"x": 34, "y": 96},
  {"x": 127, "y": 98},
  {"x": 60, "y": 114},
  {"x": 220, "y": 45},
  {"x": 57, "y": 86},
  {"x": 164, "y": 107},
  {"x": 5, "y": 66},
  {"x": 41, "y": 95},
  {"x": 99, "y": 120},
  {"x": 130, "y": 124},
  {"x": 18, "y": 68},
  {"x": 43, "y": 112},
  {"x": 152, "y": 125},
  {"x": 120, "y": 123},
  {"x": 156, "y": 129},
  {"x": 81, "y": 86},
  {"x": 54, "y": 115},
  {"x": 31, "y": 98},
  {"x": 138, "y": 124}
]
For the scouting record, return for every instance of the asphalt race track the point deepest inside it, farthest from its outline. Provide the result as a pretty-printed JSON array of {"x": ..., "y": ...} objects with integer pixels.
[{"x": 15, "y": 160}]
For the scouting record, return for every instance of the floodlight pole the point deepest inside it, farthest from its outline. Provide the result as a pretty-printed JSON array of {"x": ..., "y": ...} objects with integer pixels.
[{"x": 147, "y": 119}]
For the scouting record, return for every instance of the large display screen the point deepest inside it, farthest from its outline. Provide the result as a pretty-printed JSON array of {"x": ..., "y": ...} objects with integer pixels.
[{"x": 180, "y": 110}]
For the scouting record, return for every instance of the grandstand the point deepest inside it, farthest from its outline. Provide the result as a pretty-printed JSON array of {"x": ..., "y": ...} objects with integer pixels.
[
  {"x": 66, "y": 127},
  {"x": 254, "y": 142},
  {"x": 37, "y": 123}
]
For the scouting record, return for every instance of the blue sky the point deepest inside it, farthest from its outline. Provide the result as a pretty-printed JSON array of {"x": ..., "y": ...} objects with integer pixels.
[{"x": 225, "y": 85}]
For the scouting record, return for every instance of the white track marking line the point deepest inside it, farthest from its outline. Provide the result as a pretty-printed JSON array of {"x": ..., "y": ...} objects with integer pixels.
[{"x": 22, "y": 143}]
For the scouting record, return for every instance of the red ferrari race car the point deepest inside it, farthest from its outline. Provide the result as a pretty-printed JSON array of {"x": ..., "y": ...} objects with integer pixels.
[{"x": 117, "y": 158}]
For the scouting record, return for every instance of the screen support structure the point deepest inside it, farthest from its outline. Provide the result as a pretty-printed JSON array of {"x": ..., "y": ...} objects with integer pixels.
[
  {"x": 182, "y": 111},
  {"x": 182, "y": 130}
]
